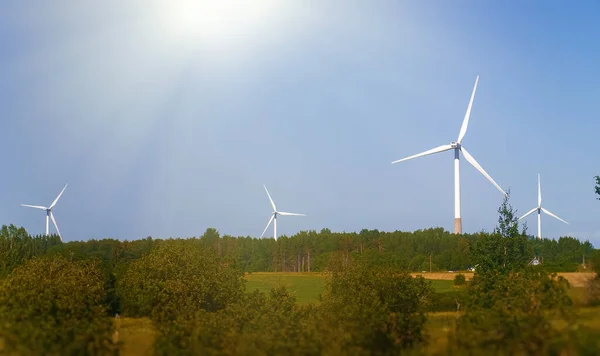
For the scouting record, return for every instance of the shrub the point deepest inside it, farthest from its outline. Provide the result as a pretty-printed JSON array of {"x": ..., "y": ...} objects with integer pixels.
[
  {"x": 52, "y": 306},
  {"x": 448, "y": 301},
  {"x": 460, "y": 280},
  {"x": 514, "y": 313},
  {"x": 372, "y": 310},
  {"x": 177, "y": 279},
  {"x": 592, "y": 291},
  {"x": 258, "y": 324}
]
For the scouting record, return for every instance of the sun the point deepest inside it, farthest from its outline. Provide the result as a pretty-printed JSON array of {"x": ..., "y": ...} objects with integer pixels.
[{"x": 215, "y": 21}]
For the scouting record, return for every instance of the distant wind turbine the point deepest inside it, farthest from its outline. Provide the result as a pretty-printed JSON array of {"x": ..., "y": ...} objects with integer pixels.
[
  {"x": 49, "y": 214},
  {"x": 274, "y": 216},
  {"x": 458, "y": 147},
  {"x": 539, "y": 210}
]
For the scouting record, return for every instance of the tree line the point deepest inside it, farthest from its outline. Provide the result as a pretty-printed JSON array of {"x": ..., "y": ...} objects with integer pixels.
[{"x": 307, "y": 251}]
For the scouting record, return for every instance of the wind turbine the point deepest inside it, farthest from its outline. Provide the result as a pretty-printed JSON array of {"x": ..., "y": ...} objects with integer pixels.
[
  {"x": 540, "y": 209},
  {"x": 274, "y": 216},
  {"x": 458, "y": 147},
  {"x": 49, "y": 214}
]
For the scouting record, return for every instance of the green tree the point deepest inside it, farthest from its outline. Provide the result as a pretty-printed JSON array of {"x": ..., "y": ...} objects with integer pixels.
[
  {"x": 257, "y": 324},
  {"x": 460, "y": 280},
  {"x": 597, "y": 186},
  {"x": 508, "y": 222},
  {"x": 520, "y": 320},
  {"x": 593, "y": 285},
  {"x": 52, "y": 306},
  {"x": 369, "y": 310},
  {"x": 176, "y": 279}
]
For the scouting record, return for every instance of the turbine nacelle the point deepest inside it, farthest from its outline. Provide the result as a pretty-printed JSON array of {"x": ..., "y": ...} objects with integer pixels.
[{"x": 455, "y": 144}]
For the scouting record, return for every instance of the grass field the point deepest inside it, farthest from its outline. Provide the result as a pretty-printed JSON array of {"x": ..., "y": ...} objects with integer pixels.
[
  {"x": 305, "y": 286},
  {"x": 308, "y": 286}
]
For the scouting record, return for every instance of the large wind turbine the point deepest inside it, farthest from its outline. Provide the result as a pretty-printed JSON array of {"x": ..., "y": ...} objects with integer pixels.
[
  {"x": 458, "y": 147},
  {"x": 539, "y": 211},
  {"x": 49, "y": 214},
  {"x": 274, "y": 216}
]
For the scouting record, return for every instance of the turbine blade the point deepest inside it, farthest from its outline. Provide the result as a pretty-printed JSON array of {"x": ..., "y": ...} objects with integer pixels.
[
  {"x": 528, "y": 213},
  {"x": 34, "y": 206},
  {"x": 554, "y": 216},
  {"x": 271, "y": 199},
  {"x": 56, "y": 226},
  {"x": 268, "y": 224},
  {"x": 290, "y": 214},
  {"x": 58, "y": 197},
  {"x": 539, "y": 191},
  {"x": 430, "y": 152},
  {"x": 465, "y": 124},
  {"x": 472, "y": 160}
]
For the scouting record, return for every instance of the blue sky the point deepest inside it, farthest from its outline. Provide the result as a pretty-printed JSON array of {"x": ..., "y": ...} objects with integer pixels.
[{"x": 166, "y": 118}]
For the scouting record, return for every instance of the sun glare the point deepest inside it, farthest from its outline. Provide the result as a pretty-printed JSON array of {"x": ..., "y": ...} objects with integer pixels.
[{"x": 215, "y": 21}]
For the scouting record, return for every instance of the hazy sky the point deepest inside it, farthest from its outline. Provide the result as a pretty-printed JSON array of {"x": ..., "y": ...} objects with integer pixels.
[{"x": 166, "y": 117}]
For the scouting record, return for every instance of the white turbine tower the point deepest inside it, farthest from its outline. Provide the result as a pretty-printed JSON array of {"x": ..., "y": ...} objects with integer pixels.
[
  {"x": 458, "y": 147},
  {"x": 49, "y": 214},
  {"x": 274, "y": 216},
  {"x": 539, "y": 210}
]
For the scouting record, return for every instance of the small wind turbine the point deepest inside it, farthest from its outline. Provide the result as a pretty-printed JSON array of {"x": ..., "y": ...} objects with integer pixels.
[
  {"x": 274, "y": 216},
  {"x": 539, "y": 211},
  {"x": 458, "y": 147},
  {"x": 49, "y": 214}
]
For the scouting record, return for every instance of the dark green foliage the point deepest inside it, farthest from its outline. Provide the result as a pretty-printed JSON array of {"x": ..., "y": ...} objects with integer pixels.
[
  {"x": 506, "y": 249},
  {"x": 562, "y": 255},
  {"x": 257, "y": 324},
  {"x": 373, "y": 310},
  {"x": 448, "y": 301},
  {"x": 595, "y": 261},
  {"x": 178, "y": 278},
  {"x": 366, "y": 310},
  {"x": 51, "y": 306},
  {"x": 592, "y": 290},
  {"x": 460, "y": 280},
  {"x": 310, "y": 251},
  {"x": 17, "y": 246},
  {"x": 497, "y": 253},
  {"x": 597, "y": 188},
  {"x": 508, "y": 222},
  {"x": 517, "y": 317},
  {"x": 592, "y": 287}
]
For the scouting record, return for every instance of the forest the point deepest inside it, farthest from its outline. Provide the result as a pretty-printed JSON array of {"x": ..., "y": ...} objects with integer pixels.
[
  {"x": 196, "y": 295},
  {"x": 306, "y": 251}
]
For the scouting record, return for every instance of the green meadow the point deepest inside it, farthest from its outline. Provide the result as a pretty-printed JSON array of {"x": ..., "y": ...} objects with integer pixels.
[{"x": 308, "y": 286}]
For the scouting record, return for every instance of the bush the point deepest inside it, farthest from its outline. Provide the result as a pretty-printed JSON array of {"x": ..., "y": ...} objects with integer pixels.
[
  {"x": 52, "y": 306},
  {"x": 460, "y": 280},
  {"x": 448, "y": 301},
  {"x": 258, "y": 324},
  {"x": 517, "y": 315},
  {"x": 177, "y": 279},
  {"x": 372, "y": 310},
  {"x": 592, "y": 291}
]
